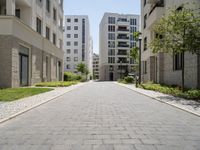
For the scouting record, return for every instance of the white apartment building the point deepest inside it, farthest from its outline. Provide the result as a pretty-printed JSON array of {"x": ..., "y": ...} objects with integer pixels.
[
  {"x": 77, "y": 42},
  {"x": 31, "y": 41},
  {"x": 116, "y": 41},
  {"x": 162, "y": 67},
  {"x": 96, "y": 66}
]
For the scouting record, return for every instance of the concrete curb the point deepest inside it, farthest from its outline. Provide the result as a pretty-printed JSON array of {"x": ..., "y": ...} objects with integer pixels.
[
  {"x": 39, "y": 104},
  {"x": 170, "y": 104}
]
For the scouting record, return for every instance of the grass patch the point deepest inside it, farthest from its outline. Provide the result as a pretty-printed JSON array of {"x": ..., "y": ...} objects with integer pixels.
[
  {"x": 175, "y": 91},
  {"x": 12, "y": 94},
  {"x": 56, "y": 84}
]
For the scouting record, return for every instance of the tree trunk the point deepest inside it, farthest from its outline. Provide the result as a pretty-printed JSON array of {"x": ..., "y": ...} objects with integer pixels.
[{"x": 183, "y": 72}]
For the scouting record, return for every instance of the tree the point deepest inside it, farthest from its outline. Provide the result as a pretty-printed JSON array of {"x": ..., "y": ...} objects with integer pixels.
[
  {"x": 134, "y": 53},
  {"x": 178, "y": 32},
  {"x": 81, "y": 67}
]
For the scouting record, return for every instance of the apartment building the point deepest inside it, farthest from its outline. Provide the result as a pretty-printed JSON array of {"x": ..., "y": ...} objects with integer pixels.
[
  {"x": 31, "y": 38},
  {"x": 78, "y": 45},
  {"x": 95, "y": 66},
  {"x": 116, "y": 41},
  {"x": 165, "y": 68}
]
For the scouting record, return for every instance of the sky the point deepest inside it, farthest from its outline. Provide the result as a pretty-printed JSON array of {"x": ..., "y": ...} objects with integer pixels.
[{"x": 95, "y": 10}]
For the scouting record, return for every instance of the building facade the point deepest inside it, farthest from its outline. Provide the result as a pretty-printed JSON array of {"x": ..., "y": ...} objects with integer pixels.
[
  {"x": 96, "y": 66},
  {"x": 162, "y": 67},
  {"x": 116, "y": 41},
  {"x": 31, "y": 37},
  {"x": 78, "y": 45}
]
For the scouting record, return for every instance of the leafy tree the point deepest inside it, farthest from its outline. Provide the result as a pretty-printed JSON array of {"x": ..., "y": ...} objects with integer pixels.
[
  {"x": 81, "y": 67},
  {"x": 134, "y": 53},
  {"x": 178, "y": 32}
]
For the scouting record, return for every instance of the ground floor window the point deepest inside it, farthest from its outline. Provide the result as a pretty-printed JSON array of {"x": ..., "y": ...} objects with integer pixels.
[
  {"x": 144, "y": 67},
  {"x": 178, "y": 61}
]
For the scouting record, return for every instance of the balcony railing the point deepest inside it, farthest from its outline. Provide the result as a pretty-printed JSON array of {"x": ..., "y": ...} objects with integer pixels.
[
  {"x": 126, "y": 30},
  {"x": 123, "y": 37},
  {"x": 122, "y": 45}
]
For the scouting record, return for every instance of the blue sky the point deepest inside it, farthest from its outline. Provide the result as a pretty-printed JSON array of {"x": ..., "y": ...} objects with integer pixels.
[{"x": 95, "y": 10}]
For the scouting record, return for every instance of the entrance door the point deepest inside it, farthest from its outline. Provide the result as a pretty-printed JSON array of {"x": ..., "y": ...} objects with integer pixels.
[
  {"x": 23, "y": 68},
  {"x": 111, "y": 76}
]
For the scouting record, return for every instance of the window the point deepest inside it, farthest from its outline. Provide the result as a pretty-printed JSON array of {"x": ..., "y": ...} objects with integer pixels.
[
  {"x": 39, "y": 26},
  {"x": 75, "y": 51},
  {"x": 68, "y": 27},
  {"x": 75, "y": 35},
  {"x": 133, "y": 22},
  {"x": 75, "y": 58},
  {"x": 54, "y": 38},
  {"x": 68, "y": 59},
  {"x": 145, "y": 2},
  {"x": 75, "y": 43},
  {"x": 144, "y": 67},
  {"x": 48, "y": 5},
  {"x": 48, "y": 33},
  {"x": 111, "y": 60},
  {"x": 60, "y": 43},
  {"x": 111, "y": 44},
  {"x": 111, "y": 36},
  {"x": 111, "y": 20},
  {"x": 68, "y": 35},
  {"x": 17, "y": 13},
  {"x": 75, "y": 27},
  {"x": 68, "y": 43},
  {"x": 68, "y": 51},
  {"x": 68, "y": 20},
  {"x": 111, "y": 52},
  {"x": 178, "y": 61},
  {"x": 145, "y": 44},
  {"x": 68, "y": 66},
  {"x": 76, "y": 20},
  {"x": 133, "y": 29},
  {"x": 54, "y": 14},
  {"x": 111, "y": 28},
  {"x": 145, "y": 21}
]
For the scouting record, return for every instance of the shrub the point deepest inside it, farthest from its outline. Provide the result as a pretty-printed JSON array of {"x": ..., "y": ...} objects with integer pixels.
[
  {"x": 173, "y": 90},
  {"x": 56, "y": 84},
  {"x": 69, "y": 76},
  {"x": 129, "y": 79}
]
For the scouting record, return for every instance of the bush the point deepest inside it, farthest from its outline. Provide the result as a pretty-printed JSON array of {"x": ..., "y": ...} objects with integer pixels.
[
  {"x": 69, "y": 76},
  {"x": 129, "y": 79},
  {"x": 173, "y": 90}
]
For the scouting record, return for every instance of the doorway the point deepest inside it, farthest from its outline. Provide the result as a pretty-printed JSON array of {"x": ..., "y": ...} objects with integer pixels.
[
  {"x": 23, "y": 69},
  {"x": 111, "y": 76}
]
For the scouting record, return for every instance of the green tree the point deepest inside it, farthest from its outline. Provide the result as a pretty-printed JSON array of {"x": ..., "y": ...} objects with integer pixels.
[
  {"x": 178, "y": 32},
  {"x": 134, "y": 53},
  {"x": 81, "y": 67}
]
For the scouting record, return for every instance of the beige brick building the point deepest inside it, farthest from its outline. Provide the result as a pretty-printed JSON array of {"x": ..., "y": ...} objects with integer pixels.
[
  {"x": 165, "y": 68},
  {"x": 31, "y": 35}
]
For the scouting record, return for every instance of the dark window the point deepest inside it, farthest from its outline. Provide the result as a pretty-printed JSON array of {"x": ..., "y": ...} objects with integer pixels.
[
  {"x": 54, "y": 38},
  {"x": 47, "y": 33},
  {"x": 68, "y": 27},
  {"x": 145, "y": 21},
  {"x": 39, "y": 26},
  {"x": 48, "y": 5},
  {"x": 68, "y": 20},
  {"x": 111, "y": 20},
  {"x": 75, "y": 27},
  {"x": 54, "y": 14},
  {"x": 178, "y": 61},
  {"x": 145, "y": 2},
  {"x": 111, "y": 28},
  {"x": 17, "y": 13},
  {"x": 145, "y": 44},
  {"x": 76, "y": 20}
]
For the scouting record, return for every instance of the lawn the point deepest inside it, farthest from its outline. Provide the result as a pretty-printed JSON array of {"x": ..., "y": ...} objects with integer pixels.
[
  {"x": 175, "y": 91},
  {"x": 12, "y": 94},
  {"x": 57, "y": 84}
]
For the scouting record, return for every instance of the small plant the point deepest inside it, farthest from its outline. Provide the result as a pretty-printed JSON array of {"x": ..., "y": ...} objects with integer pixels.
[{"x": 129, "y": 79}]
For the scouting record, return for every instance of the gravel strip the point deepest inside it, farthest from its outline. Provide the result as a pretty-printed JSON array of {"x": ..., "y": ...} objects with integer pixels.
[
  {"x": 8, "y": 109},
  {"x": 188, "y": 105}
]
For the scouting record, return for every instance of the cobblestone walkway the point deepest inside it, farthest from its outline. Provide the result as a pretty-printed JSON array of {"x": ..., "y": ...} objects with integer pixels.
[{"x": 102, "y": 116}]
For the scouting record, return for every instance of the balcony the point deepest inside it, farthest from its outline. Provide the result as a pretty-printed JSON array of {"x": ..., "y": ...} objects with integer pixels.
[
  {"x": 123, "y": 38},
  {"x": 122, "y": 61},
  {"x": 123, "y": 22},
  {"x": 122, "y": 52},
  {"x": 23, "y": 3},
  {"x": 154, "y": 15},
  {"x": 156, "y": 3}
]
